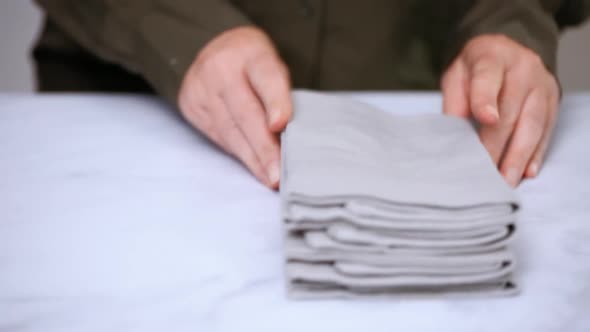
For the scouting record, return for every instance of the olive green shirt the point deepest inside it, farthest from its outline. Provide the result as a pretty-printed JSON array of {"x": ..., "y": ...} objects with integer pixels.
[{"x": 327, "y": 44}]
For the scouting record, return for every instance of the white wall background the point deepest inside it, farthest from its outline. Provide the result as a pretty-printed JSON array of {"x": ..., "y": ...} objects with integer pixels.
[{"x": 20, "y": 20}]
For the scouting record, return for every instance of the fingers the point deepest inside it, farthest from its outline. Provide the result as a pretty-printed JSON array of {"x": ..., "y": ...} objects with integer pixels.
[
  {"x": 248, "y": 115},
  {"x": 537, "y": 160},
  {"x": 270, "y": 81},
  {"x": 226, "y": 90},
  {"x": 237, "y": 145},
  {"x": 527, "y": 135},
  {"x": 487, "y": 76},
  {"x": 233, "y": 141},
  {"x": 197, "y": 113},
  {"x": 216, "y": 123},
  {"x": 512, "y": 97},
  {"x": 455, "y": 88}
]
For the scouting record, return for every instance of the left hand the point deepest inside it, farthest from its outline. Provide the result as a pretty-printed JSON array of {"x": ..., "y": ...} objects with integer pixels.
[{"x": 507, "y": 88}]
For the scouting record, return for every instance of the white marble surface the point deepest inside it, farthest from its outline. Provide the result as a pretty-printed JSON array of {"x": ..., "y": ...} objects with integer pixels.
[{"x": 115, "y": 216}]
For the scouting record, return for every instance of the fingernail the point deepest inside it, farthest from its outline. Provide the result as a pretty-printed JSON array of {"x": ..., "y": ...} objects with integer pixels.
[
  {"x": 274, "y": 173},
  {"x": 534, "y": 169},
  {"x": 491, "y": 110},
  {"x": 273, "y": 116},
  {"x": 512, "y": 176}
]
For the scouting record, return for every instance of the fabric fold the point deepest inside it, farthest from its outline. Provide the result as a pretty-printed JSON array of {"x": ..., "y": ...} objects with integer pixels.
[{"x": 375, "y": 204}]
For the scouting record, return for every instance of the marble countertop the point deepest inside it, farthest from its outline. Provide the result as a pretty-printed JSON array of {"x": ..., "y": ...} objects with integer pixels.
[{"x": 116, "y": 216}]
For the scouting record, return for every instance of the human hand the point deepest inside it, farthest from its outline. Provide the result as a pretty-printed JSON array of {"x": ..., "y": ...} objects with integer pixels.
[
  {"x": 508, "y": 90},
  {"x": 237, "y": 92}
]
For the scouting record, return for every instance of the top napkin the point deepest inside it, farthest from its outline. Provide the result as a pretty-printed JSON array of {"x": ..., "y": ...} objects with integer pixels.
[{"x": 336, "y": 147}]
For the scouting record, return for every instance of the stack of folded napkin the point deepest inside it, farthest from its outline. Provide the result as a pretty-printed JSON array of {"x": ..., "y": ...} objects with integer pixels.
[{"x": 381, "y": 205}]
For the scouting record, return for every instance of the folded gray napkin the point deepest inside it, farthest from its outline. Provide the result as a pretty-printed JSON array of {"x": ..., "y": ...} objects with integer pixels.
[{"x": 382, "y": 205}]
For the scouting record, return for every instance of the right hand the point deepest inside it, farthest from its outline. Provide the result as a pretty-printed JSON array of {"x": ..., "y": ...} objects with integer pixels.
[{"x": 237, "y": 92}]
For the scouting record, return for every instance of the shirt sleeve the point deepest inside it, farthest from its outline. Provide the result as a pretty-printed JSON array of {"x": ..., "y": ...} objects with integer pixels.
[
  {"x": 158, "y": 39},
  {"x": 534, "y": 24}
]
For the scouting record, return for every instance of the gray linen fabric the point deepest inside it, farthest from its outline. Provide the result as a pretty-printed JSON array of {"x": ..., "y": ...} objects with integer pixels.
[{"x": 382, "y": 205}]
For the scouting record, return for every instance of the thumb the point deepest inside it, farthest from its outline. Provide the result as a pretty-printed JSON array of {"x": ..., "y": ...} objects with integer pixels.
[
  {"x": 270, "y": 80},
  {"x": 454, "y": 89},
  {"x": 487, "y": 77}
]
